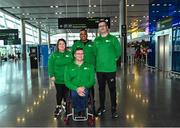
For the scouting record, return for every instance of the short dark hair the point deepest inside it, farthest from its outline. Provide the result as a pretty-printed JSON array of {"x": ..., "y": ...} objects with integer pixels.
[
  {"x": 59, "y": 41},
  {"x": 77, "y": 49},
  {"x": 83, "y": 29}
]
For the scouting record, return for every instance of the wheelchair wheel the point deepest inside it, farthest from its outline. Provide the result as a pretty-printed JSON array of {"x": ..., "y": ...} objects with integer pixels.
[
  {"x": 91, "y": 121},
  {"x": 66, "y": 120}
]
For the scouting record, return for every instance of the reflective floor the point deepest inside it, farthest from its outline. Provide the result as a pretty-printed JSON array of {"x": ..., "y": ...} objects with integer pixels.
[{"x": 145, "y": 98}]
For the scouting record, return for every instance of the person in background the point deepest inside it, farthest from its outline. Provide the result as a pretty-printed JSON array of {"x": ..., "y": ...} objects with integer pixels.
[
  {"x": 107, "y": 51},
  {"x": 56, "y": 65},
  {"x": 18, "y": 54}
]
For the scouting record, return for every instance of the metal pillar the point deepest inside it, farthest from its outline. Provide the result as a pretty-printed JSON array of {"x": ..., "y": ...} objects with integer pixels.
[
  {"x": 49, "y": 37},
  {"x": 40, "y": 40},
  {"x": 123, "y": 22},
  {"x": 23, "y": 39}
]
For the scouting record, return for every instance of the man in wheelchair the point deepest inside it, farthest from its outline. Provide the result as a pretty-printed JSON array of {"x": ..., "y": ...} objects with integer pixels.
[{"x": 79, "y": 77}]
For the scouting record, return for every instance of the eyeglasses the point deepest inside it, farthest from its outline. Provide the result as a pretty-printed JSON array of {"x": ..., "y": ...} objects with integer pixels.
[
  {"x": 79, "y": 53},
  {"x": 100, "y": 26}
]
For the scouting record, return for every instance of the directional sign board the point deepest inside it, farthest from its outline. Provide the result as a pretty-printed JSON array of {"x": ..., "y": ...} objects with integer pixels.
[
  {"x": 78, "y": 23},
  {"x": 10, "y": 36},
  {"x": 12, "y": 42}
]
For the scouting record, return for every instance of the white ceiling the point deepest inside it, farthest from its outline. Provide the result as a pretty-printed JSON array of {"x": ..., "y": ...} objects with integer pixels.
[{"x": 39, "y": 11}]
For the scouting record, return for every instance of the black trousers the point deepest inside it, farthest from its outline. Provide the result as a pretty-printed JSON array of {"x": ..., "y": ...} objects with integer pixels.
[
  {"x": 61, "y": 93},
  {"x": 110, "y": 78}
]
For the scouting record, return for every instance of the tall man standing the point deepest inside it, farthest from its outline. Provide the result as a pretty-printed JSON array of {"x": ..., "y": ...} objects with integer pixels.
[{"x": 108, "y": 50}]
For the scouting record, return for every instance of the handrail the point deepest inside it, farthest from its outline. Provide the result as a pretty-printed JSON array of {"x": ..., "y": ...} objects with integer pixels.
[
  {"x": 174, "y": 72},
  {"x": 170, "y": 73}
]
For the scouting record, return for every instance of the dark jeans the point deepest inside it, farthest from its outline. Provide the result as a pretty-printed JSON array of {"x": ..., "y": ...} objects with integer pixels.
[
  {"x": 79, "y": 102},
  {"x": 61, "y": 93},
  {"x": 110, "y": 78}
]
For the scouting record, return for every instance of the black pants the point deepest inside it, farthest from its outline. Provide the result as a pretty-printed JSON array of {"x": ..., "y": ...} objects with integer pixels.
[
  {"x": 110, "y": 78},
  {"x": 61, "y": 93},
  {"x": 92, "y": 92}
]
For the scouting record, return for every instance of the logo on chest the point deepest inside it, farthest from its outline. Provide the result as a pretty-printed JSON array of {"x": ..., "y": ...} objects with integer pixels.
[
  {"x": 85, "y": 68},
  {"x": 66, "y": 55},
  {"x": 107, "y": 41},
  {"x": 89, "y": 45}
]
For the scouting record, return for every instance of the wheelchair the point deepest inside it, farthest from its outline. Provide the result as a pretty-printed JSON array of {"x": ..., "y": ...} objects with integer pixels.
[{"x": 88, "y": 114}]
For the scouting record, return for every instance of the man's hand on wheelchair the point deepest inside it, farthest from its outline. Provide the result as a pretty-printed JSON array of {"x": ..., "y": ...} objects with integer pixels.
[{"x": 81, "y": 91}]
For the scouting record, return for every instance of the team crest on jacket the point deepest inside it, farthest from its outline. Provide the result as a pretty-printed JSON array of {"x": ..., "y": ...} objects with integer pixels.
[
  {"x": 107, "y": 41},
  {"x": 67, "y": 56},
  {"x": 85, "y": 68}
]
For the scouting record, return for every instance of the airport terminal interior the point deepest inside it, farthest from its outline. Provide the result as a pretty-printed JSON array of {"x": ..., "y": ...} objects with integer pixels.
[{"x": 148, "y": 71}]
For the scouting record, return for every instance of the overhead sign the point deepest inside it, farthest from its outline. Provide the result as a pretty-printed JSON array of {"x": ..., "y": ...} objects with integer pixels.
[
  {"x": 8, "y": 34},
  {"x": 78, "y": 23},
  {"x": 12, "y": 42},
  {"x": 164, "y": 24}
]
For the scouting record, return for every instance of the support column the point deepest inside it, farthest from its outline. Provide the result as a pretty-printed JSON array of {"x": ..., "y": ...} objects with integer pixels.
[
  {"x": 67, "y": 37},
  {"x": 40, "y": 40},
  {"x": 122, "y": 21},
  {"x": 123, "y": 28},
  {"x": 23, "y": 39},
  {"x": 96, "y": 33},
  {"x": 49, "y": 38}
]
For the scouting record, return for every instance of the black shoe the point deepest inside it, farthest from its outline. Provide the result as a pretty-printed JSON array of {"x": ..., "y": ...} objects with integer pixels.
[
  {"x": 100, "y": 111},
  {"x": 115, "y": 115},
  {"x": 58, "y": 110}
]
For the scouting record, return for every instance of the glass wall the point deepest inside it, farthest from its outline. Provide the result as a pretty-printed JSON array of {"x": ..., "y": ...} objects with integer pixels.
[
  {"x": 44, "y": 37},
  {"x": 32, "y": 33}
]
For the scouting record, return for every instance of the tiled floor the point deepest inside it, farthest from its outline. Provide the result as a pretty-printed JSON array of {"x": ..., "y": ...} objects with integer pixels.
[{"x": 144, "y": 98}]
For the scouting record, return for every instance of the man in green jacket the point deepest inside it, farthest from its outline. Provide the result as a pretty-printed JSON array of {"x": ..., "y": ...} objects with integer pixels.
[
  {"x": 108, "y": 50},
  {"x": 87, "y": 45},
  {"x": 79, "y": 77},
  {"x": 88, "y": 48}
]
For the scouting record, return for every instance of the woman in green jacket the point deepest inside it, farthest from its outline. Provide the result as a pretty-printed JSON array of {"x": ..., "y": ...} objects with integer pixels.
[{"x": 56, "y": 65}]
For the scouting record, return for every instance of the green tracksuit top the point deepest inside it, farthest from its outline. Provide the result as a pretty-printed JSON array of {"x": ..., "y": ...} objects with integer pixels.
[
  {"x": 89, "y": 54},
  {"x": 79, "y": 76},
  {"x": 108, "y": 51},
  {"x": 57, "y": 63}
]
